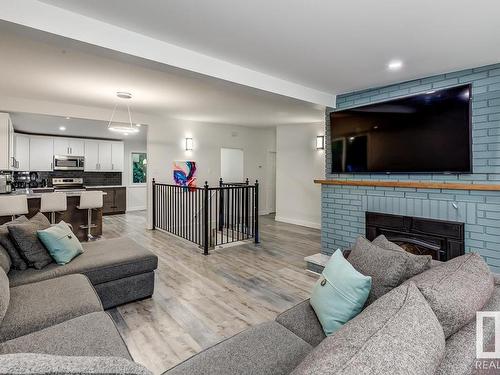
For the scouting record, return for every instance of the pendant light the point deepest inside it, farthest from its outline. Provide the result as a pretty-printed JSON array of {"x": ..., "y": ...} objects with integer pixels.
[{"x": 122, "y": 127}]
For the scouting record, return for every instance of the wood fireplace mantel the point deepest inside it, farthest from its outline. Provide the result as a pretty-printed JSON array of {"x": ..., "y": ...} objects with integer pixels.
[{"x": 412, "y": 184}]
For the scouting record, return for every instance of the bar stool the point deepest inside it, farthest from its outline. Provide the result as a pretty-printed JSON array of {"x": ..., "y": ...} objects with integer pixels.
[
  {"x": 90, "y": 200},
  {"x": 13, "y": 205},
  {"x": 53, "y": 202}
]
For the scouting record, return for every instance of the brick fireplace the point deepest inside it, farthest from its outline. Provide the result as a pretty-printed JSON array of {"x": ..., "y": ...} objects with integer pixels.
[{"x": 344, "y": 207}]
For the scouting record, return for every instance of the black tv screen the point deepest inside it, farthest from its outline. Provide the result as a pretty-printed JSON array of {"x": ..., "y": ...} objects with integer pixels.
[{"x": 425, "y": 133}]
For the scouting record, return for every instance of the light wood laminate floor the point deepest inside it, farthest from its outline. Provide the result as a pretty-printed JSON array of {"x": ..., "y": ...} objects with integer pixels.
[{"x": 201, "y": 300}]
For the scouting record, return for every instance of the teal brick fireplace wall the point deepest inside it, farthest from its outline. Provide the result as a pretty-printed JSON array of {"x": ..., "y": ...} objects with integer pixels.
[{"x": 344, "y": 207}]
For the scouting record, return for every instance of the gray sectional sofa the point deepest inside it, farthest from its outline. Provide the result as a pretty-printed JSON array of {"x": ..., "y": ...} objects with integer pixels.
[
  {"x": 58, "y": 311},
  {"x": 397, "y": 334}
]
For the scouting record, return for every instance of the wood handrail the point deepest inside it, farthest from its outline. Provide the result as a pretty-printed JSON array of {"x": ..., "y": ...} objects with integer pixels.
[{"x": 412, "y": 184}]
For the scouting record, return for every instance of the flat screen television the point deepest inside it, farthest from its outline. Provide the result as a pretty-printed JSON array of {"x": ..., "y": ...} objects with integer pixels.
[{"x": 424, "y": 133}]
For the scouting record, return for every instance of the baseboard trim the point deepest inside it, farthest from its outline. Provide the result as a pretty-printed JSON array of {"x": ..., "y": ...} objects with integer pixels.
[
  {"x": 303, "y": 223},
  {"x": 138, "y": 208}
]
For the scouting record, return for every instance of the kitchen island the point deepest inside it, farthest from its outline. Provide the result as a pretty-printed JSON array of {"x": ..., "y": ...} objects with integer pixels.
[{"x": 72, "y": 215}]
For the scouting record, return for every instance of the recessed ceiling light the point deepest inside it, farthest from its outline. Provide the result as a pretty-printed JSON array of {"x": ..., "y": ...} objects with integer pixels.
[
  {"x": 62, "y": 128},
  {"x": 68, "y": 118},
  {"x": 124, "y": 95},
  {"x": 138, "y": 125},
  {"x": 395, "y": 65}
]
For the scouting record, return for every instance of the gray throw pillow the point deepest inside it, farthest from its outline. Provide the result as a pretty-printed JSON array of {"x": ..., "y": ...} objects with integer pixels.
[
  {"x": 31, "y": 363},
  {"x": 397, "y": 334},
  {"x": 25, "y": 238},
  {"x": 386, "y": 267},
  {"x": 5, "y": 262},
  {"x": 456, "y": 289},
  {"x": 4, "y": 294},
  {"x": 416, "y": 263},
  {"x": 17, "y": 262}
]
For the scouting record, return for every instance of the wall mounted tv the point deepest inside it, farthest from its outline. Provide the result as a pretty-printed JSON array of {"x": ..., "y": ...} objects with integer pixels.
[{"x": 424, "y": 133}]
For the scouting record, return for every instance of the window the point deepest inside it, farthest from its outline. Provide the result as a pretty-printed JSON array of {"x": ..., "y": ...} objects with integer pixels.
[{"x": 139, "y": 167}]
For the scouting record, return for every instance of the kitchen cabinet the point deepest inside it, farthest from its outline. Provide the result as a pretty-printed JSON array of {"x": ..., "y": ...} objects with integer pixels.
[
  {"x": 104, "y": 156},
  {"x": 69, "y": 146},
  {"x": 115, "y": 200},
  {"x": 7, "y": 158},
  {"x": 41, "y": 153},
  {"x": 91, "y": 156},
  {"x": 117, "y": 154},
  {"x": 22, "y": 152}
]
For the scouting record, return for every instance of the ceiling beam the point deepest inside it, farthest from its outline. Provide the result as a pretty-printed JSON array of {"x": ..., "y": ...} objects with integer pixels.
[{"x": 48, "y": 18}]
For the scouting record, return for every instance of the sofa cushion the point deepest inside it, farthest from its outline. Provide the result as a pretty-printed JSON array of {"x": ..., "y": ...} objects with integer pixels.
[
  {"x": 92, "y": 334},
  {"x": 340, "y": 293},
  {"x": 46, "y": 303},
  {"x": 302, "y": 320},
  {"x": 30, "y": 363},
  {"x": 61, "y": 243},
  {"x": 5, "y": 262},
  {"x": 4, "y": 294},
  {"x": 31, "y": 249},
  {"x": 17, "y": 262},
  {"x": 386, "y": 267},
  {"x": 456, "y": 289},
  {"x": 265, "y": 349},
  {"x": 397, "y": 334},
  {"x": 102, "y": 261},
  {"x": 416, "y": 263}
]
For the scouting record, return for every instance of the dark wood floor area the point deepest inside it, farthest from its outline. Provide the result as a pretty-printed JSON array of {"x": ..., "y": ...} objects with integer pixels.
[{"x": 200, "y": 300}]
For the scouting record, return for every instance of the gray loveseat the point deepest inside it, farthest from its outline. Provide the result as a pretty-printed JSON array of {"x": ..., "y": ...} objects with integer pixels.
[{"x": 295, "y": 343}]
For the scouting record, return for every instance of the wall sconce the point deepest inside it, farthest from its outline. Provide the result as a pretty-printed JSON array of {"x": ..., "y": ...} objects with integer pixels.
[
  {"x": 320, "y": 142},
  {"x": 189, "y": 144}
]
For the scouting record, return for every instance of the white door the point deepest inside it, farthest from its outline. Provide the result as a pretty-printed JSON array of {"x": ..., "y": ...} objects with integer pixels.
[
  {"x": 231, "y": 165},
  {"x": 22, "y": 148},
  {"x": 91, "y": 155},
  {"x": 117, "y": 155},
  {"x": 41, "y": 154},
  {"x": 271, "y": 182},
  {"x": 105, "y": 156},
  {"x": 76, "y": 147},
  {"x": 61, "y": 146}
]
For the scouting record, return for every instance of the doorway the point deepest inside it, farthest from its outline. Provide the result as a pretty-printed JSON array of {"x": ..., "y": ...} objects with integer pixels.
[
  {"x": 231, "y": 165},
  {"x": 271, "y": 181}
]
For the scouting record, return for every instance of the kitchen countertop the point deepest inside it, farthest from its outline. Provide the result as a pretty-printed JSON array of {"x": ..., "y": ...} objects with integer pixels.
[
  {"x": 104, "y": 186},
  {"x": 30, "y": 194}
]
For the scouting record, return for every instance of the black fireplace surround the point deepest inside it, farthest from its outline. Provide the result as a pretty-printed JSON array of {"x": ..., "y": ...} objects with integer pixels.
[{"x": 443, "y": 240}]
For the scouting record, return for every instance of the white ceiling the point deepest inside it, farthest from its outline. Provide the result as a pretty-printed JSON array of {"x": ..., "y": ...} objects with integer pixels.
[
  {"x": 49, "y": 125},
  {"x": 41, "y": 66},
  {"x": 333, "y": 46}
]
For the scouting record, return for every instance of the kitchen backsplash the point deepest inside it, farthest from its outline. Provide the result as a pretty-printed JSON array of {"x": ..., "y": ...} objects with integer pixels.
[{"x": 89, "y": 178}]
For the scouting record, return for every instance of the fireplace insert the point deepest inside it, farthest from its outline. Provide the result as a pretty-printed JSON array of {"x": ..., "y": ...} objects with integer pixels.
[{"x": 443, "y": 240}]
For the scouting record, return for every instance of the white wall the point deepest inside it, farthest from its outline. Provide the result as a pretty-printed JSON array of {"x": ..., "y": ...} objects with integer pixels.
[
  {"x": 166, "y": 144},
  {"x": 136, "y": 193},
  {"x": 298, "y": 163}
]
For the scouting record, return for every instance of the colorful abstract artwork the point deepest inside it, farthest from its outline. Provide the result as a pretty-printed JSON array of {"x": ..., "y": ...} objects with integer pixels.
[{"x": 185, "y": 174}]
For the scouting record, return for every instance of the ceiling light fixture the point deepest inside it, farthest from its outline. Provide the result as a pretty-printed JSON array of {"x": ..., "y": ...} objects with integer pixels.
[
  {"x": 395, "y": 65},
  {"x": 62, "y": 128},
  {"x": 125, "y": 129}
]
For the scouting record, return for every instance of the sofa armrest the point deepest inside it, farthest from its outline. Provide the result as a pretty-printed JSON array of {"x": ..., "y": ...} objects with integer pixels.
[{"x": 302, "y": 321}]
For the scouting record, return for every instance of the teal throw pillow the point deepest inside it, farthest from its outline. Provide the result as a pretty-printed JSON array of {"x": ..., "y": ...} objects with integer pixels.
[
  {"x": 61, "y": 243},
  {"x": 340, "y": 293}
]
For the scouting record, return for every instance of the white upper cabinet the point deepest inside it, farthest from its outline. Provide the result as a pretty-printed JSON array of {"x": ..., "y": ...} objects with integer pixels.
[
  {"x": 7, "y": 160},
  {"x": 91, "y": 156},
  {"x": 41, "y": 153},
  {"x": 22, "y": 152},
  {"x": 69, "y": 146},
  {"x": 105, "y": 156},
  {"x": 76, "y": 147},
  {"x": 117, "y": 155}
]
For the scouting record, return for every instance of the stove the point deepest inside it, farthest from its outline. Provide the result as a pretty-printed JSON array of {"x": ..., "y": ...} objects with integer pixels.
[{"x": 68, "y": 184}]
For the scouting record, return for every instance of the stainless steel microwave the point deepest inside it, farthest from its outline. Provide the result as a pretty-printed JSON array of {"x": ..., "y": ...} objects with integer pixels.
[{"x": 69, "y": 163}]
